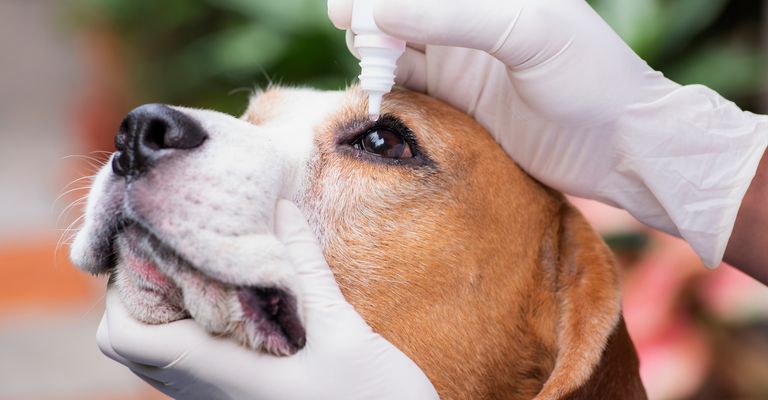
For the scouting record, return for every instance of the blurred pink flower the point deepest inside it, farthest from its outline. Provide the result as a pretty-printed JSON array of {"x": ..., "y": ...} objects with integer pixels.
[{"x": 661, "y": 288}]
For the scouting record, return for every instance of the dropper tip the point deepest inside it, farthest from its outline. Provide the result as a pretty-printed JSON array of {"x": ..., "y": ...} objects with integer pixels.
[{"x": 374, "y": 104}]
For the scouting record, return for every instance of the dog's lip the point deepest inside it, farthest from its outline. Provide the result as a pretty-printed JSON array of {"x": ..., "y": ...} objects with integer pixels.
[
  {"x": 275, "y": 315},
  {"x": 160, "y": 249},
  {"x": 272, "y": 310}
]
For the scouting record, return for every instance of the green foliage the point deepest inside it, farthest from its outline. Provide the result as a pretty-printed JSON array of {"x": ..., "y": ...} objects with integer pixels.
[
  {"x": 210, "y": 53},
  {"x": 694, "y": 41},
  {"x": 202, "y": 52}
]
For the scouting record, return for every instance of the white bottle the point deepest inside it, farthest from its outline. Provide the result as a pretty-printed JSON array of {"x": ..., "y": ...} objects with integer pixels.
[{"x": 378, "y": 54}]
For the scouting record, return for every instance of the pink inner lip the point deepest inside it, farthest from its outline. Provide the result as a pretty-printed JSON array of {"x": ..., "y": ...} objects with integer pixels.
[{"x": 147, "y": 271}]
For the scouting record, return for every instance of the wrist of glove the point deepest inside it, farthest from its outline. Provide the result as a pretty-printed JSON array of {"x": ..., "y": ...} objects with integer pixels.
[
  {"x": 577, "y": 109},
  {"x": 343, "y": 357}
]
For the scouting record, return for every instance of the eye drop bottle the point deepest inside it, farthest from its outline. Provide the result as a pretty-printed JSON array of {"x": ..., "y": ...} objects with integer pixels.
[{"x": 378, "y": 54}]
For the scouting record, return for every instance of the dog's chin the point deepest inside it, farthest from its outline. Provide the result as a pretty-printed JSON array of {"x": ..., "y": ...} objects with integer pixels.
[{"x": 158, "y": 286}]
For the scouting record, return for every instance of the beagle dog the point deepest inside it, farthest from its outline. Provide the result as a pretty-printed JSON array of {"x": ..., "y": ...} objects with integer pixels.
[{"x": 492, "y": 283}]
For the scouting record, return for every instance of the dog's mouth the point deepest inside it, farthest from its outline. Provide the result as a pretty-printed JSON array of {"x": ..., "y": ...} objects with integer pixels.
[
  {"x": 259, "y": 317},
  {"x": 158, "y": 282}
]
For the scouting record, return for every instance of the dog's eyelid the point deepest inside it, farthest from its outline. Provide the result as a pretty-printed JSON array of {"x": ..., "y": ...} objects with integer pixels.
[
  {"x": 350, "y": 132},
  {"x": 354, "y": 128},
  {"x": 395, "y": 124}
]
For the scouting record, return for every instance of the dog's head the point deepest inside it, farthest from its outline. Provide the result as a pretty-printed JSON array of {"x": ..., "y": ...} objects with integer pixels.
[{"x": 437, "y": 238}]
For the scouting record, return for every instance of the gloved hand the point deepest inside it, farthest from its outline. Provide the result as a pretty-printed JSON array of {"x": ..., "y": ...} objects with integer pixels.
[
  {"x": 343, "y": 357},
  {"x": 579, "y": 110}
]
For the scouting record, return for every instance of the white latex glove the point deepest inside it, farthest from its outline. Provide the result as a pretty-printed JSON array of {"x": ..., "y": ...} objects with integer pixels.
[
  {"x": 343, "y": 357},
  {"x": 580, "y": 111}
]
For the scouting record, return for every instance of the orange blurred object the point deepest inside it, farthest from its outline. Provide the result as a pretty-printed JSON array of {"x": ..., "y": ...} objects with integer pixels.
[{"x": 34, "y": 275}]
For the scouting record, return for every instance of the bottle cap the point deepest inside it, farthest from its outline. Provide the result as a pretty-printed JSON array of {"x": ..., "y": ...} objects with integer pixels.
[{"x": 378, "y": 54}]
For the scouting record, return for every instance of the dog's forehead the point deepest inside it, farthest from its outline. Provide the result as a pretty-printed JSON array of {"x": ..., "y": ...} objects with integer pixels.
[{"x": 293, "y": 106}]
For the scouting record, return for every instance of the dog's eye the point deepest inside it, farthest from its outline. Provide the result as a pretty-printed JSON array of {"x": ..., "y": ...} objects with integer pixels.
[{"x": 384, "y": 143}]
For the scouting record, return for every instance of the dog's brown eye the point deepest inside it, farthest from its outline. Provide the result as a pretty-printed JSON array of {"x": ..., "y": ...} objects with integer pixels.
[{"x": 385, "y": 143}]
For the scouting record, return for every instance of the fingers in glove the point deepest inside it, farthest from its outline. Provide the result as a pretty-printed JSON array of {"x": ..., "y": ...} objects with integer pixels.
[
  {"x": 168, "y": 390},
  {"x": 139, "y": 343},
  {"x": 102, "y": 340},
  {"x": 321, "y": 292},
  {"x": 340, "y": 13},
  {"x": 301, "y": 244},
  {"x": 148, "y": 373},
  {"x": 477, "y": 24},
  {"x": 411, "y": 66},
  {"x": 412, "y": 70}
]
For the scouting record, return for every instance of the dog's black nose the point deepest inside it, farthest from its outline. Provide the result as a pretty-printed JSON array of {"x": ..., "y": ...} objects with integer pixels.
[{"x": 151, "y": 132}]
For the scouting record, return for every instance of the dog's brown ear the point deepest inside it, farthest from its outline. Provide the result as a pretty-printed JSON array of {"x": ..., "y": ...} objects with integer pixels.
[{"x": 587, "y": 286}]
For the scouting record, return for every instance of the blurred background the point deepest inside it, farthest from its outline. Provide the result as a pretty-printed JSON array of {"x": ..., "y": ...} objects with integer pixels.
[{"x": 71, "y": 69}]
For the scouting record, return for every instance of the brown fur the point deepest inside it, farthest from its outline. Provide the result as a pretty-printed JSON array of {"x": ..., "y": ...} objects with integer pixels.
[{"x": 493, "y": 284}]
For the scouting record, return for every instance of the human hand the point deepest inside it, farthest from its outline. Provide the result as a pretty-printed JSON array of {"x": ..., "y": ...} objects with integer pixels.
[
  {"x": 577, "y": 109},
  {"x": 343, "y": 357}
]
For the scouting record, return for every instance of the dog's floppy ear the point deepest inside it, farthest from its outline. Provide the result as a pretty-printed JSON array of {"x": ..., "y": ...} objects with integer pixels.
[{"x": 591, "y": 337}]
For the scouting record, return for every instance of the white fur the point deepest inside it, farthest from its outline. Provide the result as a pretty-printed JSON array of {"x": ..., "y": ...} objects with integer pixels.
[{"x": 213, "y": 206}]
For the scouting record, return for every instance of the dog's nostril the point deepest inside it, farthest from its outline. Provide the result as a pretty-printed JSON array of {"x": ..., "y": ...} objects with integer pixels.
[
  {"x": 120, "y": 163},
  {"x": 155, "y": 136}
]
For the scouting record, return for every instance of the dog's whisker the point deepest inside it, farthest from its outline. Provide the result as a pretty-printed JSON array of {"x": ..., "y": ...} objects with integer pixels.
[
  {"x": 69, "y": 229},
  {"x": 82, "y": 178},
  {"x": 239, "y": 90},
  {"x": 93, "y": 163},
  {"x": 266, "y": 76},
  {"x": 95, "y": 166},
  {"x": 86, "y": 169},
  {"x": 96, "y": 302},
  {"x": 72, "y": 205},
  {"x": 64, "y": 238},
  {"x": 56, "y": 251},
  {"x": 73, "y": 202},
  {"x": 85, "y": 157},
  {"x": 66, "y": 193}
]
